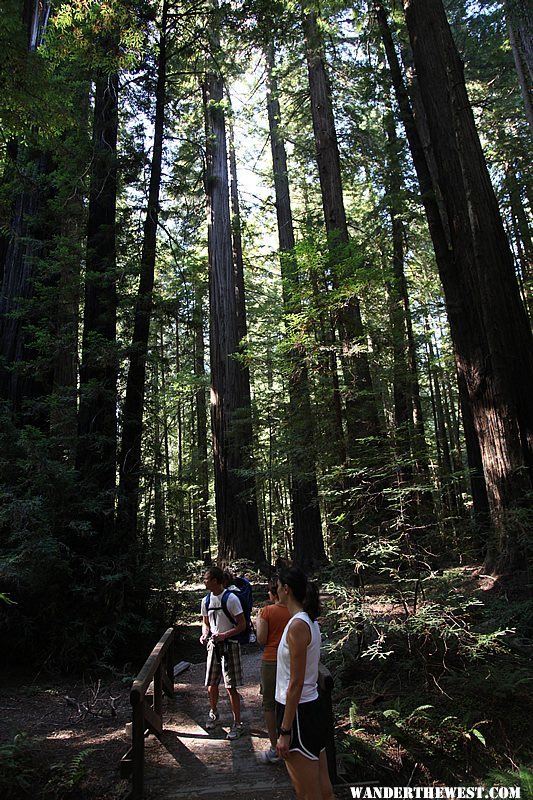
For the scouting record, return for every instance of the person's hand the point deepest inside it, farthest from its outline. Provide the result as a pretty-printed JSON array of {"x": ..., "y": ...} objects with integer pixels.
[
  {"x": 218, "y": 637},
  {"x": 203, "y": 638},
  {"x": 282, "y": 746}
]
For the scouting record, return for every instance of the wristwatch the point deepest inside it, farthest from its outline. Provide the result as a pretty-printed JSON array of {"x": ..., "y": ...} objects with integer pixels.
[{"x": 285, "y": 731}]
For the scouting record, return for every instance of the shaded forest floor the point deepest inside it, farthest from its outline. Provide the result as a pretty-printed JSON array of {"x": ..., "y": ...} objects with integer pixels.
[
  {"x": 433, "y": 684},
  {"x": 434, "y": 681}
]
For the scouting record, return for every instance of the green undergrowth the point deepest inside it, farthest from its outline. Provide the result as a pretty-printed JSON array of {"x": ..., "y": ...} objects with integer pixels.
[
  {"x": 26, "y": 773},
  {"x": 433, "y": 678}
]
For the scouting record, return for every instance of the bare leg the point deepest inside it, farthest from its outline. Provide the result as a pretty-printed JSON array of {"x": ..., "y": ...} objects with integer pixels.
[
  {"x": 305, "y": 776},
  {"x": 235, "y": 701},
  {"x": 325, "y": 783},
  {"x": 212, "y": 691},
  {"x": 270, "y": 721}
]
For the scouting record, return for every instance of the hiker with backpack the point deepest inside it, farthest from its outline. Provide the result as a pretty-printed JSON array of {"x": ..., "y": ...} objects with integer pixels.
[{"x": 223, "y": 622}]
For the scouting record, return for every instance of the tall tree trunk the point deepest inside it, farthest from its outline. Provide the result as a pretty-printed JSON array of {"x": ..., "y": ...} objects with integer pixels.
[
  {"x": 519, "y": 17},
  {"x": 201, "y": 518},
  {"x": 97, "y": 415},
  {"x": 158, "y": 543},
  {"x": 523, "y": 234},
  {"x": 441, "y": 430},
  {"x": 68, "y": 255},
  {"x": 231, "y": 422},
  {"x": 132, "y": 425},
  {"x": 478, "y": 487},
  {"x": 361, "y": 411},
  {"x": 496, "y": 354},
  {"x": 397, "y": 291},
  {"x": 307, "y": 528},
  {"x": 460, "y": 314},
  {"x": 175, "y": 512},
  {"x": 236, "y": 238}
]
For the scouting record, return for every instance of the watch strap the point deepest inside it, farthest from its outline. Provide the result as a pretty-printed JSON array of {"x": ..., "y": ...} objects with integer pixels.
[{"x": 285, "y": 731}]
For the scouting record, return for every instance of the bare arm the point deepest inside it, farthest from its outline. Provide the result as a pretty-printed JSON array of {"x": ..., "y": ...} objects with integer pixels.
[
  {"x": 261, "y": 628},
  {"x": 205, "y": 630},
  {"x": 238, "y": 628},
  {"x": 298, "y": 638}
]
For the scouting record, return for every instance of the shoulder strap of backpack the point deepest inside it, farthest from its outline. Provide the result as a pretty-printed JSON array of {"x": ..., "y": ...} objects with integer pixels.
[
  {"x": 207, "y": 601},
  {"x": 224, "y": 604}
]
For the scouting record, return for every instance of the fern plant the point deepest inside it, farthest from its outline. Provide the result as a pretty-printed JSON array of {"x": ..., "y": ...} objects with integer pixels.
[{"x": 67, "y": 777}]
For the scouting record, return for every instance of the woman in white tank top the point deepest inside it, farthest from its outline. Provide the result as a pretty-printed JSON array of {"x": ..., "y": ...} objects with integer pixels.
[{"x": 301, "y": 742}]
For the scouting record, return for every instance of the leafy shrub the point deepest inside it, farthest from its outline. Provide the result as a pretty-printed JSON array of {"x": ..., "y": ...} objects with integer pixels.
[{"x": 16, "y": 768}]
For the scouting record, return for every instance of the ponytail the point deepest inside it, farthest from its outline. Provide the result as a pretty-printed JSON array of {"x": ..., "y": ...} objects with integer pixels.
[
  {"x": 312, "y": 601},
  {"x": 303, "y": 589}
]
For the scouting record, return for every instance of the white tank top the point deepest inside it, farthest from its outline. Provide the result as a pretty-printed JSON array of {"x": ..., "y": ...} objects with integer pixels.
[{"x": 283, "y": 671}]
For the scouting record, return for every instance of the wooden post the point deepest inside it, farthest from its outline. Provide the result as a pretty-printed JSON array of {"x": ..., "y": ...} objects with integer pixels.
[
  {"x": 158, "y": 690},
  {"x": 325, "y": 686},
  {"x": 147, "y": 717},
  {"x": 137, "y": 748}
]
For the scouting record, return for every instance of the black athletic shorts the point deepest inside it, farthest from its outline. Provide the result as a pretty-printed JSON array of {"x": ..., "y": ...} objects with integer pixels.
[{"x": 308, "y": 733}]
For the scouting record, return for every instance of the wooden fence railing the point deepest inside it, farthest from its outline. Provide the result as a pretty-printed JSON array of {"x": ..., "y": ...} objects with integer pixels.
[{"x": 147, "y": 710}]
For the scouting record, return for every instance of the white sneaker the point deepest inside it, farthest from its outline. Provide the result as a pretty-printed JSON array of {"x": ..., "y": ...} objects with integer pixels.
[
  {"x": 269, "y": 756},
  {"x": 236, "y": 731},
  {"x": 212, "y": 720}
]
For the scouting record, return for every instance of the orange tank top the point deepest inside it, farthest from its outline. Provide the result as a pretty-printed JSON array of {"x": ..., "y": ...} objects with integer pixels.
[{"x": 277, "y": 617}]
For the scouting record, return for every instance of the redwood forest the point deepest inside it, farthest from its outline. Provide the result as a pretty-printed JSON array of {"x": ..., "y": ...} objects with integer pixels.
[{"x": 266, "y": 275}]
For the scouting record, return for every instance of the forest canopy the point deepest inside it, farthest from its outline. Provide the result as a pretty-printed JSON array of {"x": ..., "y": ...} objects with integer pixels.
[{"x": 266, "y": 294}]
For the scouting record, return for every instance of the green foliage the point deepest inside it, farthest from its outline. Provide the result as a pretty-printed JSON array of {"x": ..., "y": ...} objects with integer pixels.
[
  {"x": 16, "y": 771},
  {"x": 65, "y": 777},
  {"x": 522, "y": 777},
  {"x": 448, "y": 682},
  {"x": 23, "y": 775},
  {"x": 64, "y": 596}
]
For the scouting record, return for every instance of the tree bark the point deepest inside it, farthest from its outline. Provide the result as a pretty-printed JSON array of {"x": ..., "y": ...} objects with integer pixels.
[
  {"x": 236, "y": 238},
  {"x": 307, "y": 527},
  {"x": 519, "y": 17},
  {"x": 231, "y": 423},
  {"x": 361, "y": 411},
  {"x": 397, "y": 292},
  {"x": 496, "y": 353},
  {"x": 523, "y": 235},
  {"x": 461, "y": 315},
  {"x": 97, "y": 415},
  {"x": 201, "y": 516},
  {"x": 132, "y": 417}
]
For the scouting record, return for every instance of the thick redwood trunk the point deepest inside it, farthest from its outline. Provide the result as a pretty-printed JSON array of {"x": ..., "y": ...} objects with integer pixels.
[
  {"x": 361, "y": 410},
  {"x": 307, "y": 528},
  {"x": 494, "y": 346},
  {"x": 130, "y": 450},
  {"x": 231, "y": 423},
  {"x": 461, "y": 315},
  {"x": 522, "y": 234},
  {"x": 236, "y": 238},
  {"x": 202, "y": 545},
  {"x": 397, "y": 293},
  {"x": 97, "y": 426}
]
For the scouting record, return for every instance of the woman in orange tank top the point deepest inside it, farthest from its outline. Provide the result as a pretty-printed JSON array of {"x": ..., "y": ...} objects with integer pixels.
[{"x": 270, "y": 624}]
